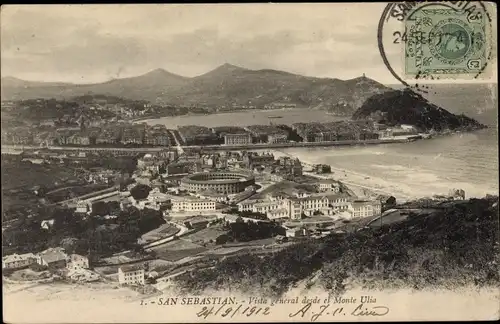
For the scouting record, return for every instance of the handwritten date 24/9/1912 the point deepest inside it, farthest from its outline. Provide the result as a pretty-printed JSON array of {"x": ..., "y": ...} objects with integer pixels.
[
  {"x": 326, "y": 310},
  {"x": 310, "y": 311}
]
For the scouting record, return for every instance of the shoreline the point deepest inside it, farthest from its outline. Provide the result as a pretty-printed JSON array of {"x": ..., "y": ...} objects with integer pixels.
[
  {"x": 403, "y": 190},
  {"x": 356, "y": 181},
  {"x": 221, "y": 147}
]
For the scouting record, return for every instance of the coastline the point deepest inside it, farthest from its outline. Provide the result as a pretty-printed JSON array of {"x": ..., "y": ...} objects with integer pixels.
[
  {"x": 358, "y": 181},
  {"x": 219, "y": 147},
  {"x": 405, "y": 181}
]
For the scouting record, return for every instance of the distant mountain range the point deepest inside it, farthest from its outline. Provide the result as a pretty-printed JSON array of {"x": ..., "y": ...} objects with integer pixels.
[{"x": 226, "y": 85}]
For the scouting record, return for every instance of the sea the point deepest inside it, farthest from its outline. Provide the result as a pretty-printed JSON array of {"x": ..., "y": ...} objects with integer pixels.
[{"x": 468, "y": 161}]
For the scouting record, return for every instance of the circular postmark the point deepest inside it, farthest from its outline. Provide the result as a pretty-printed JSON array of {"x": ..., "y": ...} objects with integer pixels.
[{"x": 435, "y": 40}]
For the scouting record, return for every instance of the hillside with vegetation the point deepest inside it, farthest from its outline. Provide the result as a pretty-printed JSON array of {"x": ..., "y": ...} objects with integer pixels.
[
  {"x": 455, "y": 246},
  {"x": 94, "y": 234},
  {"x": 408, "y": 107}
]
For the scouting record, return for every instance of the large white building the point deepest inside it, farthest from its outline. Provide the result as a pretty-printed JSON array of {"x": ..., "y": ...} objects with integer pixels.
[
  {"x": 15, "y": 261},
  {"x": 131, "y": 275},
  {"x": 53, "y": 258},
  {"x": 76, "y": 261},
  {"x": 327, "y": 203},
  {"x": 192, "y": 204},
  {"x": 278, "y": 214},
  {"x": 277, "y": 138},
  {"x": 365, "y": 208},
  {"x": 237, "y": 139}
]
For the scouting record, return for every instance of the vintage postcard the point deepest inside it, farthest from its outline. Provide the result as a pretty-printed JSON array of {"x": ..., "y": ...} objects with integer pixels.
[{"x": 211, "y": 163}]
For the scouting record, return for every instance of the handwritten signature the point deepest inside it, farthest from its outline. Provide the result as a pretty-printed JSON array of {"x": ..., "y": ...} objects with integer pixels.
[
  {"x": 326, "y": 309},
  {"x": 308, "y": 311}
]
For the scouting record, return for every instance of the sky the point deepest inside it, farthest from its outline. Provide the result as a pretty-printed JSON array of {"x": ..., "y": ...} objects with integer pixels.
[{"x": 96, "y": 43}]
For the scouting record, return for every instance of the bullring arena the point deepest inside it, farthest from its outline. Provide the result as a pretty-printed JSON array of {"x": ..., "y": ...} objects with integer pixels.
[{"x": 221, "y": 182}]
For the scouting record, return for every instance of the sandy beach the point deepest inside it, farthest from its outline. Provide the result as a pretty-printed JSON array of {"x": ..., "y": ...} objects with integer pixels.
[{"x": 358, "y": 182}]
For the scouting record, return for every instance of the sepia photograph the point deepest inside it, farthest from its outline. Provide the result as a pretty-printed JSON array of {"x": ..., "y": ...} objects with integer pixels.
[{"x": 264, "y": 162}]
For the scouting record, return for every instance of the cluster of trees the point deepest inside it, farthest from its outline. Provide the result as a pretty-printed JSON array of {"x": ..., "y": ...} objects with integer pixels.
[
  {"x": 80, "y": 235},
  {"x": 248, "y": 231},
  {"x": 103, "y": 208},
  {"x": 124, "y": 164},
  {"x": 42, "y": 109},
  {"x": 251, "y": 214},
  {"x": 458, "y": 246},
  {"x": 140, "y": 191}
]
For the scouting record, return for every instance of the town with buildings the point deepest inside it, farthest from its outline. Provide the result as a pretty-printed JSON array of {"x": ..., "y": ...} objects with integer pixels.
[
  {"x": 109, "y": 122},
  {"x": 126, "y": 134},
  {"x": 97, "y": 189},
  {"x": 97, "y": 195},
  {"x": 92, "y": 193},
  {"x": 328, "y": 174},
  {"x": 140, "y": 216}
]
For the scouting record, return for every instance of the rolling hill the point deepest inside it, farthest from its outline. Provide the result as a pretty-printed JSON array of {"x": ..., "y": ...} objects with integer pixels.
[{"x": 227, "y": 84}]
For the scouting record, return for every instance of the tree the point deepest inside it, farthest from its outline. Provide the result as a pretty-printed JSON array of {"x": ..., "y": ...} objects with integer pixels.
[
  {"x": 222, "y": 239},
  {"x": 140, "y": 191},
  {"x": 100, "y": 208},
  {"x": 73, "y": 245}
]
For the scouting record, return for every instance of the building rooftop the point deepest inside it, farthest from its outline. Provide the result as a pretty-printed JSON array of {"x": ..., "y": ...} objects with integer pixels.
[
  {"x": 132, "y": 267},
  {"x": 364, "y": 202},
  {"x": 327, "y": 181},
  {"x": 17, "y": 257},
  {"x": 278, "y": 211},
  {"x": 190, "y": 198},
  {"x": 230, "y": 217},
  {"x": 266, "y": 203},
  {"x": 53, "y": 256}
]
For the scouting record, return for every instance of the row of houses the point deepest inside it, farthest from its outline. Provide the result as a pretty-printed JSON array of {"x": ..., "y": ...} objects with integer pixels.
[
  {"x": 336, "y": 131},
  {"x": 232, "y": 135},
  {"x": 157, "y": 135},
  {"x": 267, "y": 133},
  {"x": 53, "y": 258},
  {"x": 76, "y": 265}
]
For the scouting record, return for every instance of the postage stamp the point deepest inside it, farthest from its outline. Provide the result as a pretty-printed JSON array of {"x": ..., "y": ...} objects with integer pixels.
[{"x": 445, "y": 42}]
